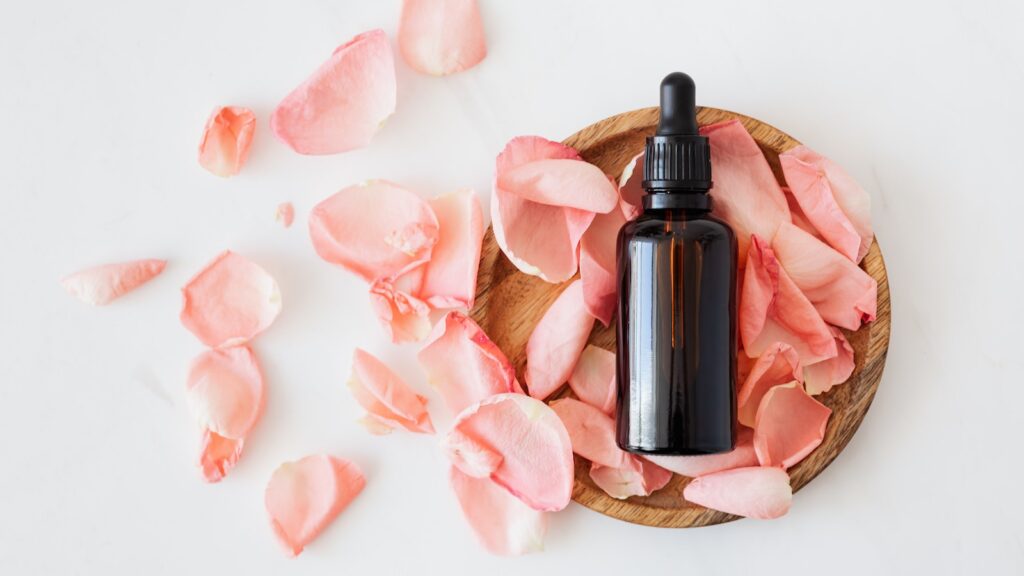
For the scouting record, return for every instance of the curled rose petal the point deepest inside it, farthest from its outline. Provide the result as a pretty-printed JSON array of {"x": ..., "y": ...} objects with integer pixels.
[
  {"x": 470, "y": 456},
  {"x": 503, "y": 524},
  {"x": 376, "y": 230},
  {"x": 693, "y": 466},
  {"x": 343, "y": 104},
  {"x": 773, "y": 309},
  {"x": 558, "y": 339},
  {"x": 464, "y": 365},
  {"x": 790, "y": 425},
  {"x": 229, "y": 301},
  {"x": 101, "y": 285},
  {"x": 597, "y": 265},
  {"x": 536, "y": 455},
  {"x": 388, "y": 400},
  {"x": 746, "y": 194},
  {"x": 638, "y": 477},
  {"x": 566, "y": 182},
  {"x": 404, "y": 317},
  {"x": 821, "y": 376},
  {"x": 591, "y": 431},
  {"x": 797, "y": 214},
  {"x": 441, "y": 37},
  {"x": 831, "y": 200},
  {"x": 593, "y": 379},
  {"x": 631, "y": 189},
  {"x": 225, "y": 391},
  {"x": 778, "y": 364},
  {"x": 842, "y": 293},
  {"x": 449, "y": 280},
  {"x": 218, "y": 455},
  {"x": 285, "y": 214},
  {"x": 226, "y": 140},
  {"x": 753, "y": 492}
]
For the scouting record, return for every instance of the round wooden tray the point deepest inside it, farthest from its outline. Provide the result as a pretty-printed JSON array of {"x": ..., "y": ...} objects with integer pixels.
[{"x": 509, "y": 304}]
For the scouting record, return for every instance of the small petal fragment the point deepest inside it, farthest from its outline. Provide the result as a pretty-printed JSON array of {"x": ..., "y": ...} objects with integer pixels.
[
  {"x": 226, "y": 140},
  {"x": 303, "y": 497},
  {"x": 464, "y": 365},
  {"x": 343, "y": 104},
  {"x": 778, "y": 364},
  {"x": 218, "y": 455},
  {"x": 225, "y": 391},
  {"x": 536, "y": 455},
  {"x": 753, "y": 492},
  {"x": 558, "y": 339},
  {"x": 101, "y": 285},
  {"x": 693, "y": 466},
  {"x": 597, "y": 265},
  {"x": 229, "y": 301},
  {"x": 821, "y": 376},
  {"x": 375, "y": 230},
  {"x": 387, "y": 397},
  {"x": 449, "y": 280},
  {"x": 441, "y": 37},
  {"x": 790, "y": 425},
  {"x": 638, "y": 477},
  {"x": 503, "y": 524},
  {"x": 593, "y": 379},
  {"x": 285, "y": 214},
  {"x": 404, "y": 317}
]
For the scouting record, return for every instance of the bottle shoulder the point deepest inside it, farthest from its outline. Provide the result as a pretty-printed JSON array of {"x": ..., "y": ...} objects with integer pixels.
[{"x": 655, "y": 224}]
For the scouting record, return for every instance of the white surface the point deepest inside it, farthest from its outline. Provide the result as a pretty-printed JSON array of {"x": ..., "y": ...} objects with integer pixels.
[{"x": 102, "y": 107}]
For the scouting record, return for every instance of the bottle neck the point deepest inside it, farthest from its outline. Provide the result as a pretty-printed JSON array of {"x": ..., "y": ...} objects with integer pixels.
[{"x": 690, "y": 201}]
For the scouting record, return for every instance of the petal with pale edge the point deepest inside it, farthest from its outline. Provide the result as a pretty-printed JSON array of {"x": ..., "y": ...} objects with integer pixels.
[
  {"x": 778, "y": 364},
  {"x": 441, "y": 37},
  {"x": 638, "y": 477},
  {"x": 558, "y": 339},
  {"x": 820, "y": 377},
  {"x": 218, "y": 455},
  {"x": 790, "y": 425},
  {"x": 403, "y": 316},
  {"x": 503, "y": 524},
  {"x": 101, "y": 285},
  {"x": 386, "y": 397},
  {"x": 741, "y": 456},
  {"x": 593, "y": 379},
  {"x": 449, "y": 280},
  {"x": 225, "y": 391},
  {"x": 754, "y": 492},
  {"x": 227, "y": 137}
]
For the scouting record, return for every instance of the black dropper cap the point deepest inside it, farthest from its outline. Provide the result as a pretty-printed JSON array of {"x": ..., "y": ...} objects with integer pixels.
[{"x": 677, "y": 157}]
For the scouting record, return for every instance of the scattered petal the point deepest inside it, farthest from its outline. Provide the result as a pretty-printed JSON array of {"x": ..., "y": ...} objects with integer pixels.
[
  {"x": 790, "y": 425},
  {"x": 303, "y": 497},
  {"x": 778, "y": 364},
  {"x": 638, "y": 477},
  {"x": 225, "y": 391},
  {"x": 376, "y": 230},
  {"x": 593, "y": 379},
  {"x": 386, "y": 397},
  {"x": 404, "y": 317},
  {"x": 821, "y": 376},
  {"x": 503, "y": 524},
  {"x": 558, "y": 339},
  {"x": 229, "y": 301},
  {"x": 441, "y": 37},
  {"x": 464, "y": 365},
  {"x": 597, "y": 265},
  {"x": 566, "y": 182},
  {"x": 226, "y": 140},
  {"x": 450, "y": 277},
  {"x": 101, "y": 285},
  {"x": 343, "y": 104},
  {"x": 218, "y": 455},
  {"x": 591, "y": 431},
  {"x": 536, "y": 456},
  {"x": 285, "y": 214},
  {"x": 753, "y": 492},
  {"x": 693, "y": 466}
]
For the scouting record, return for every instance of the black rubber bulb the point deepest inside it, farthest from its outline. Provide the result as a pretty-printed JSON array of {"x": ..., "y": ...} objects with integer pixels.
[{"x": 678, "y": 106}]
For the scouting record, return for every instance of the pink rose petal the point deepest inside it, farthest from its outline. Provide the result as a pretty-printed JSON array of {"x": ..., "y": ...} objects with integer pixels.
[
  {"x": 597, "y": 265},
  {"x": 536, "y": 456},
  {"x": 229, "y": 301},
  {"x": 790, "y": 425},
  {"x": 753, "y": 492},
  {"x": 842, "y": 293},
  {"x": 591, "y": 431},
  {"x": 101, "y": 285},
  {"x": 745, "y": 193},
  {"x": 778, "y": 364},
  {"x": 693, "y": 466},
  {"x": 304, "y": 497},
  {"x": 637, "y": 478},
  {"x": 441, "y": 37},
  {"x": 631, "y": 188},
  {"x": 343, "y": 104},
  {"x": 218, "y": 455},
  {"x": 404, "y": 317},
  {"x": 593, "y": 379},
  {"x": 464, "y": 365},
  {"x": 449, "y": 279},
  {"x": 225, "y": 391},
  {"x": 376, "y": 230},
  {"x": 285, "y": 214},
  {"x": 386, "y": 397},
  {"x": 558, "y": 339},
  {"x": 502, "y": 523},
  {"x": 566, "y": 182},
  {"x": 831, "y": 200},
  {"x": 226, "y": 140},
  {"x": 821, "y": 376},
  {"x": 797, "y": 214}
]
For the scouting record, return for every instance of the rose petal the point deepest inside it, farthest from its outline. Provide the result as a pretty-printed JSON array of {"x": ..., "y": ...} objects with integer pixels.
[
  {"x": 821, "y": 376},
  {"x": 566, "y": 182},
  {"x": 101, "y": 285},
  {"x": 218, "y": 455},
  {"x": 536, "y": 456},
  {"x": 229, "y": 301},
  {"x": 285, "y": 214},
  {"x": 225, "y": 391},
  {"x": 631, "y": 188},
  {"x": 754, "y": 492},
  {"x": 593, "y": 379},
  {"x": 404, "y": 317},
  {"x": 790, "y": 425},
  {"x": 227, "y": 137},
  {"x": 831, "y": 200},
  {"x": 637, "y": 478},
  {"x": 556, "y": 342},
  {"x": 539, "y": 239},
  {"x": 842, "y": 293},
  {"x": 746, "y": 194},
  {"x": 502, "y": 523},
  {"x": 441, "y": 37},
  {"x": 740, "y": 457},
  {"x": 797, "y": 214},
  {"x": 464, "y": 365},
  {"x": 470, "y": 456},
  {"x": 303, "y": 497},
  {"x": 597, "y": 265},
  {"x": 386, "y": 396},
  {"x": 778, "y": 364},
  {"x": 591, "y": 431},
  {"x": 772, "y": 309},
  {"x": 343, "y": 104},
  {"x": 376, "y": 230},
  {"x": 450, "y": 277}
]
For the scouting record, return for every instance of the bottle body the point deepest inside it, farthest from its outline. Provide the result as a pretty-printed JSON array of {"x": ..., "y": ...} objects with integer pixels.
[{"x": 676, "y": 334}]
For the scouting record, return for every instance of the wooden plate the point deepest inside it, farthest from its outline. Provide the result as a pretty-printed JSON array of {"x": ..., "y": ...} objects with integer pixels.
[{"x": 509, "y": 304}]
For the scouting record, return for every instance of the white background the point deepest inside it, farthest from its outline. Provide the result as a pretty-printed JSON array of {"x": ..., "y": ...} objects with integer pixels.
[{"x": 101, "y": 108}]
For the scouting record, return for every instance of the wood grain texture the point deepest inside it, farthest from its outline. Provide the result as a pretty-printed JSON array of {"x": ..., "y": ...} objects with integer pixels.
[{"x": 509, "y": 304}]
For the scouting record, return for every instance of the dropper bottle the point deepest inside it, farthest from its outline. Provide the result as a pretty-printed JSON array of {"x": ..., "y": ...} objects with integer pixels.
[{"x": 677, "y": 297}]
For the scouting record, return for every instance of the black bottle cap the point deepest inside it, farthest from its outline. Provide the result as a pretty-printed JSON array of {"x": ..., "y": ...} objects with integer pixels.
[{"x": 677, "y": 157}]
